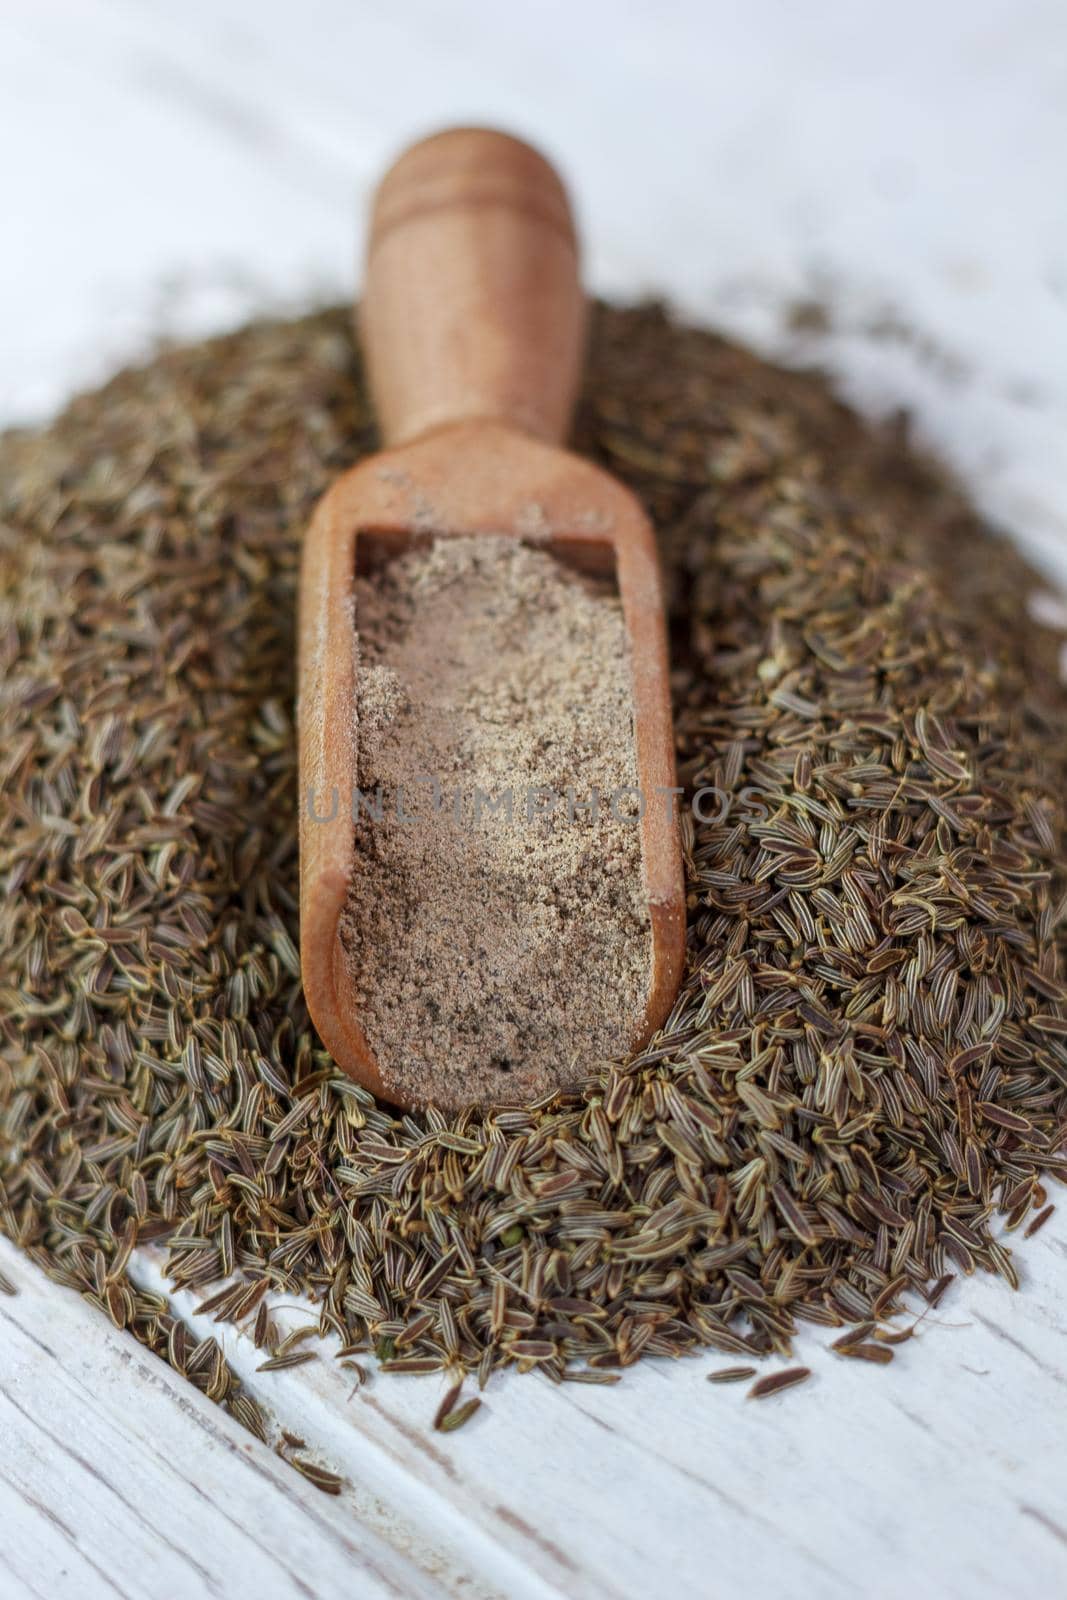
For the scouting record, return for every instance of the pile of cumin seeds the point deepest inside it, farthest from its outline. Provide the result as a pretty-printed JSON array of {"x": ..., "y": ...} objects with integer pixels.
[{"x": 868, "y": 1060}]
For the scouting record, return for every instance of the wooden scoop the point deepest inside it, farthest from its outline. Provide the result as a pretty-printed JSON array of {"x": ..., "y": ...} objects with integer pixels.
[{"x": 473, "y": 326}]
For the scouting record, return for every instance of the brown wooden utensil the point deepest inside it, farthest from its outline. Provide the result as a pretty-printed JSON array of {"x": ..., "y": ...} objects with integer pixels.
[{"x": 473, "y": 324}]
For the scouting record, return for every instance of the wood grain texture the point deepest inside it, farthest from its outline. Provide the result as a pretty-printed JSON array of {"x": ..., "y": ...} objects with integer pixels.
[
  {"x": 471, "y": 307},
  {"x": 940, "y": 1475},
  {"x": 116, "y": 1477}
]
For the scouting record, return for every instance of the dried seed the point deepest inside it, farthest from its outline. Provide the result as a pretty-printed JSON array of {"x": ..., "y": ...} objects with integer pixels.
[
  {"x": 445, "y": 1408},
  {"x": 775, "y": 1382},
  {"x": 935, "y": 1294},
  {"x": 456, "y": 1419},
  {"x": 879, "y": 1354},
  {"x": 291, "y": 1340},
  {"x": 854, "y": 1335},
  {"x": 894, "y": 1336},
  {"x": 245, "y": 1411},
  {"x": 867, "y": 1057},
  {"x": 1039, "y": 1221},
  {"x": 328, "y": 1482},
  {"x": 294, "y": 1358}
]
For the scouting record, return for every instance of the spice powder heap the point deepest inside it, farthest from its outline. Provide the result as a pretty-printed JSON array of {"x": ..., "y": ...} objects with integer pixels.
[
  {"x": 496, "y": 929},
  {"x": 867, "y": 1062}
]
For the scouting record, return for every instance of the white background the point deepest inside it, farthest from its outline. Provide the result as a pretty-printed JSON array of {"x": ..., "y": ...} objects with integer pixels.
[{"x": 172, "y": 167}]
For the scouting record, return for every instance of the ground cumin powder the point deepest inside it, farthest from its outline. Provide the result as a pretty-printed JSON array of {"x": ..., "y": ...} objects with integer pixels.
[
  {"x": 867, "y": 1062},
  {"x": 497, "y": 928}
]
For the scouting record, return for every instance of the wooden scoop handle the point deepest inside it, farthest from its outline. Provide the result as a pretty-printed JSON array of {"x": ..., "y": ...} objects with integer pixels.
[{"x": 472, "y": 309}]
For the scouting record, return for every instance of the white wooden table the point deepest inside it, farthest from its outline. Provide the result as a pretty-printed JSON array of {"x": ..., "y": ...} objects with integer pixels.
[{"x": 174, "y": 168}]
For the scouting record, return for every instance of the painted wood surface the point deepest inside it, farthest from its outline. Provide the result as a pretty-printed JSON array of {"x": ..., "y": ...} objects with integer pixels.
[
  {"x": 875, "y": 189},
  {"x": 940, "y": 1475},
  {"x": 895, "y": 170}
]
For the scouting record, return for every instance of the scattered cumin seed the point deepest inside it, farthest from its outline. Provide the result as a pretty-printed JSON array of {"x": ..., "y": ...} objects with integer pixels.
[
  {"x": 445, "y": 1408},
  {"x": 244, "y": 1410},
  {"x": 217, "y": 1300},
  {"x": 894, "y": 1336},
  {"x": 1038, "y": 1222},
  {"x": 293, "y": 1358},
  {"x": 328, "y": 1482},
  {"x": 361, "y": 1373},
  {"x": 775, "y": 1382},
  {"x": 854, "y": 1335},
  {"x": 458, "y": 1418},
  {"x": 878, "y": 1354},
  {"x": 296, "y": 1337},
  {"x": 936, "y": 1293}
]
